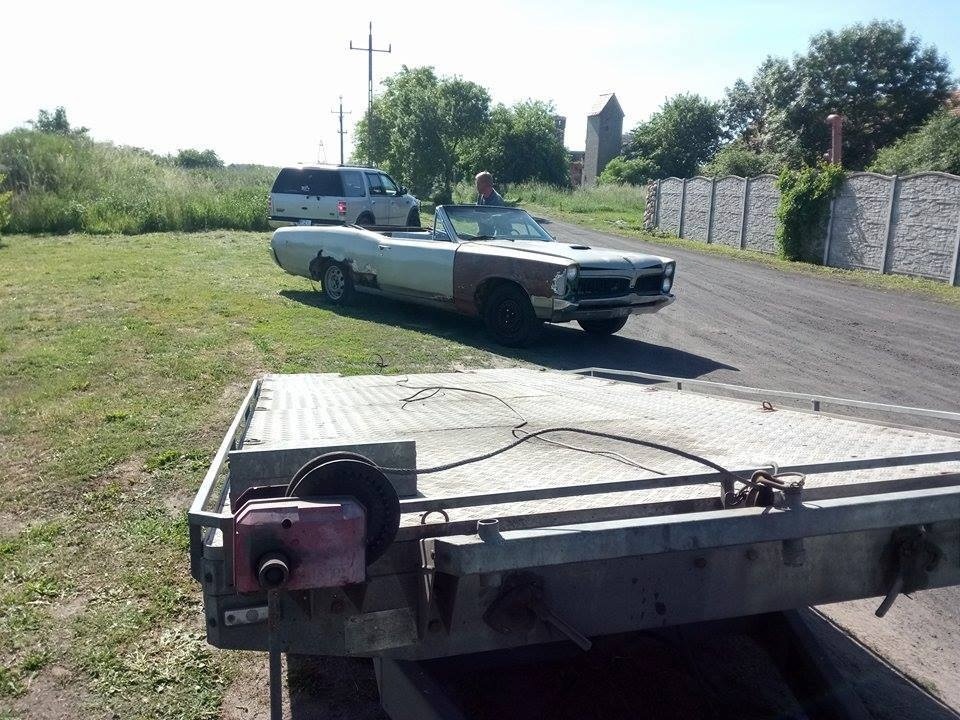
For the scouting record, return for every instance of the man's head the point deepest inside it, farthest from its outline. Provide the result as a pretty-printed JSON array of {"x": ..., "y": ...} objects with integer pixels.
[{"x": 484, "y": 183}]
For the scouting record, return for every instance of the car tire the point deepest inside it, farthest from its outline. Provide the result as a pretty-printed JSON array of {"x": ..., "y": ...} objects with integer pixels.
[
  {"x": 366, "y": 219},
  {"x": 509, "y": 316},
  {"x": 413, "y": 218},
  {"x": 337, "y": 284},
  {"x": 607, "y": 326}
]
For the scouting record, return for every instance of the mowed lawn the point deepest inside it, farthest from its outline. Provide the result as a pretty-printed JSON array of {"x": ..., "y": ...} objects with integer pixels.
[{"x": 123, "y": 359}]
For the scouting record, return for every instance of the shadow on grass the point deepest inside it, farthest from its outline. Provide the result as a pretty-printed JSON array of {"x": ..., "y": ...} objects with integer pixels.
[{"x": 561, "y": 347}]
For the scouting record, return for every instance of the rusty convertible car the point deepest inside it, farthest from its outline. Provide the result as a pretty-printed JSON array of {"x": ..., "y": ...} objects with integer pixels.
[{"x": 496, "y": 263}]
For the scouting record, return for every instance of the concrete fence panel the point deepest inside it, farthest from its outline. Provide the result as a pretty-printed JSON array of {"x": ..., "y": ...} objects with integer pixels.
[
  {"x": 925, "y": 226},
  {"x": 861, "y": 213},
  {"x": 760, "y": 226},
  {"x": 728, "y": 211},
  {"x": 671, "y": 196},
  {"x": 696, "y": 208},
  {"x": 908, "y": 225}
]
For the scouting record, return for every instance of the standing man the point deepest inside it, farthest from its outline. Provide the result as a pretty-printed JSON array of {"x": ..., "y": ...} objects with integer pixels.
[{"x": 486, "y": 195}]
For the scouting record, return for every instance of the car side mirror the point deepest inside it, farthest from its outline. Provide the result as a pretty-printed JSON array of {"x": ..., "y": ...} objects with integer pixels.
[{"x": 401, "y": 190}]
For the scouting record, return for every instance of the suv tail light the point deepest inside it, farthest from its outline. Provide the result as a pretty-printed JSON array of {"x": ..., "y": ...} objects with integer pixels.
[
  {"x": 269, "y": 204},
  {"x": 342, "y": 207}
]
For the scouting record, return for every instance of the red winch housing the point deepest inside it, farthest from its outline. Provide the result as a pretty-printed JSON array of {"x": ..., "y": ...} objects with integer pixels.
[{"x": 299, "y": 544}]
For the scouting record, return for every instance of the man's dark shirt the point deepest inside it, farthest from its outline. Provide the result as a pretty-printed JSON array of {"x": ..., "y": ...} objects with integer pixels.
[{"x": 492, "y": 199}]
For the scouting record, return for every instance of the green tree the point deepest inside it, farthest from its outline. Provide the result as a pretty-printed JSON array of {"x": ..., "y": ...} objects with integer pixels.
[
  {"x": 881, "y": 81},
  {"x": 425, "y": 129},
  {"x": 737, "y": 158},
  {"x": 520, "y": 144},
  {"x": 191, "y": 159},
  {"x": 679, "y": 137},
  {"x": 935, "y": 146},
  {"x": 55, "y": 123},
  {"x": 621, "y": 171}
]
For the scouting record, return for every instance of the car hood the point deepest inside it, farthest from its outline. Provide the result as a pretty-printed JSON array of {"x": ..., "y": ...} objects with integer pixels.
[{"x": 588, "y": 258}]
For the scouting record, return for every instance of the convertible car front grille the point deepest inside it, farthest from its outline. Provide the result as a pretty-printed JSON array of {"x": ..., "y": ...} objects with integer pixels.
[{"x": 598, "y": 287}]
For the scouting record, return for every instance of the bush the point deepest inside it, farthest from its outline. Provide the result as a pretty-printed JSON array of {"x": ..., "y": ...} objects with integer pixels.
[
  {"x": 621, "y": 171},
  {"x": 801, "y": 216},
  {"x": 935, "y": 146},
  {"x": 737, "y": 159},
  {"x": 5, "y": 196},
  {"x": 191, "y": 159},
  {"x": 69, "y": 183}
]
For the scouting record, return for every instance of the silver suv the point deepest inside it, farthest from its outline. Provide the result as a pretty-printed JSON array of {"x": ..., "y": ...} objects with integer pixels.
[{"x": 322, "y": 194}]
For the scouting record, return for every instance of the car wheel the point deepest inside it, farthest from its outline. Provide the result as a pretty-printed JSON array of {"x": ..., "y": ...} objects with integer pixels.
[
  {"x": 366, "y": 219},
  {"x": 337, "y": 284},
  {"x": 607, "y": 326},
  {"x": 413, "y": 218},
  {"x": 510, "y": 318}
]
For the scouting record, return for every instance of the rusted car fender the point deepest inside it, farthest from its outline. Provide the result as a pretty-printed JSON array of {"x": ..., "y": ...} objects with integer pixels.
[{"x": 478, "y": 267}]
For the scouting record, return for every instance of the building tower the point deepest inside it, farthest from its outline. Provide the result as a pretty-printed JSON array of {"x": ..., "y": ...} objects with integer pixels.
[{"x": 604, "y": 137}]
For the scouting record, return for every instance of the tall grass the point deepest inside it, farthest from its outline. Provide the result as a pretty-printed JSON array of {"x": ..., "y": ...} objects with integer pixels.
[
  {"x": 69, "y": 183},
  {"x": 629, "y": 199}
]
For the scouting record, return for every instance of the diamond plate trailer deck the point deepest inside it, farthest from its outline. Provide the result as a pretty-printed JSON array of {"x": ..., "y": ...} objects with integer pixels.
[{"x": 617, "y": 539}]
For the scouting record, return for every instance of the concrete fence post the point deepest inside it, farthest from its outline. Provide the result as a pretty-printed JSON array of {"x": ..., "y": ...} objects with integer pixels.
[
  {"x": 955, "y": 279},
  {"x": 888, "y": 234},
  {"x": 826, "y": 243},
  {"x": 743, "y": 213},
  {"x": 656, "y": 208},
  {"x": 683, "y": 203},
  {"x": 713, "y": 195}
]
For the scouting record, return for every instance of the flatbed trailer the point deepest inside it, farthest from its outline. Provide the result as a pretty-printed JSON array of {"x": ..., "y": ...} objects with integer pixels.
[{"x": 536, "y": 506}]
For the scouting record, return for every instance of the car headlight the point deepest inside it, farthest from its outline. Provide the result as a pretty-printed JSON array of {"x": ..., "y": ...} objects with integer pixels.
[
  {"x": 666, "y": 284},
  {"x": 668, "y": 269},
  {"x": 572, "y": 272}
]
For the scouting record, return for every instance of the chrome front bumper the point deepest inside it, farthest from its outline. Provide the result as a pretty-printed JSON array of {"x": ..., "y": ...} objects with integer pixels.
[{"x": 556, "y": 310}]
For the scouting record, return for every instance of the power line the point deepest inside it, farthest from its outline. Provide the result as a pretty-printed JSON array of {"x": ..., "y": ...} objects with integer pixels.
[
  {"x": 370, "y": 50},
  {"x": 341, "y": 131}
]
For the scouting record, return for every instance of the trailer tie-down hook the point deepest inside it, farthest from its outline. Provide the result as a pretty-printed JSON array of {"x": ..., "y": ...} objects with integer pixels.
[{"x": 911, "y": 555}]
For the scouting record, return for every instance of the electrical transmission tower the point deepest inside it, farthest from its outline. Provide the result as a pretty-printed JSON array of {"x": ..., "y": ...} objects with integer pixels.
[
  {"x": 370, "y": 50},
  {"x": 341, "y": 131}
]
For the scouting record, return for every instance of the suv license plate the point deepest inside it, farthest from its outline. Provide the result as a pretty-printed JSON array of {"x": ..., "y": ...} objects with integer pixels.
[{"x": 304, "y": 222}]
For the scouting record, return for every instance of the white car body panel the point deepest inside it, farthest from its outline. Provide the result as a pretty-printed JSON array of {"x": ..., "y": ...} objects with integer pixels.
[{"x": 420, "y": 268}]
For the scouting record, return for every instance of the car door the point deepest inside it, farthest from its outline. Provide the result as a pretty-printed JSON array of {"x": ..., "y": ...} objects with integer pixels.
[
  {"x": 379, "y": 201},
  {"x": 392, "y": 192},
  {"x": 354, "y": 195},
  {"x": 417, "y": 268}
]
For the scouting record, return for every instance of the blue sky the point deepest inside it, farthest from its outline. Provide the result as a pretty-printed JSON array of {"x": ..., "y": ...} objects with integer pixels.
[{"x": 257, "y": 81}]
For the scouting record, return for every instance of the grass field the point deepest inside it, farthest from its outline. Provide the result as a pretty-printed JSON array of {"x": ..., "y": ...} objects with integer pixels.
[{"x": 123, "y": 359}]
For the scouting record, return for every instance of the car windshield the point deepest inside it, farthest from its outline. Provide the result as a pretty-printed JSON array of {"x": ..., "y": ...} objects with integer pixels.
[{"x": 478, "y": 222}]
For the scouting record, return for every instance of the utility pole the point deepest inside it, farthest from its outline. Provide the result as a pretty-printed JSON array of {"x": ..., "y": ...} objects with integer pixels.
[
  {"x": 341, "y": 131},
  {"x": 370, "y": 50}
]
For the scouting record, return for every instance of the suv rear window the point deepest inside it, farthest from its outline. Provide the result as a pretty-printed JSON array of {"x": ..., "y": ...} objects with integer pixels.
[
  {"x": 291, "y": 181},
  {"x": 308, "y": 182}
]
